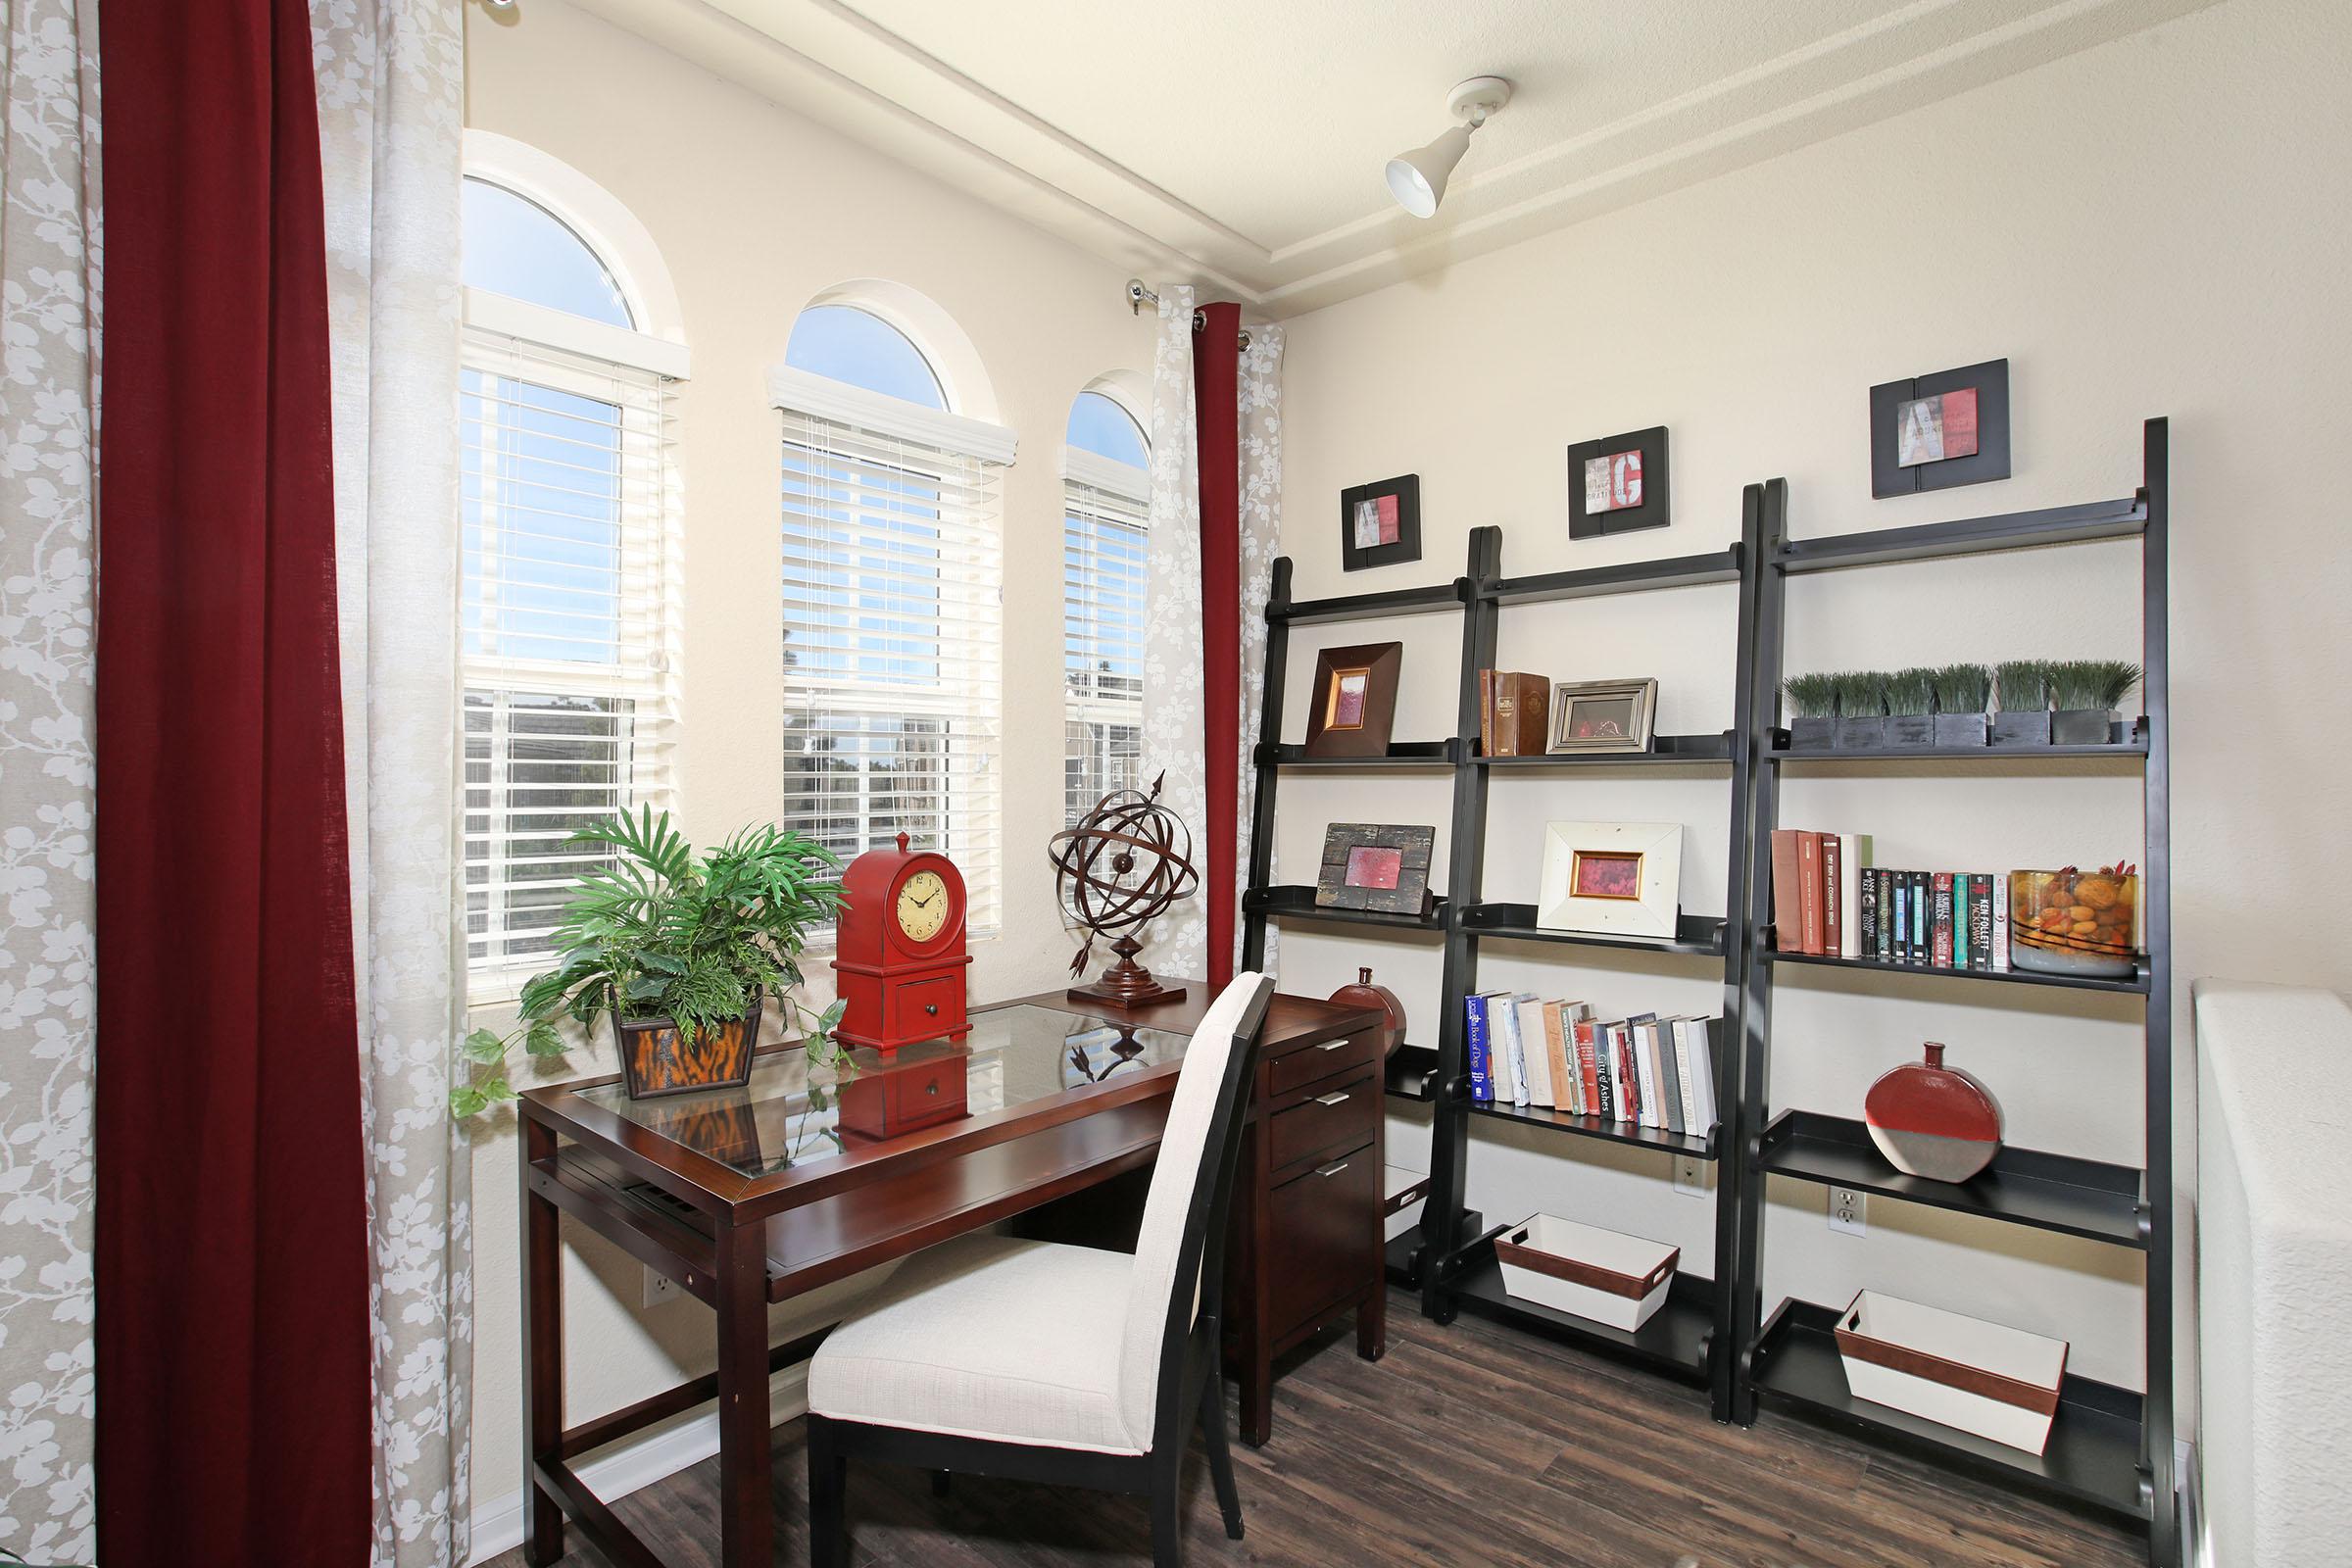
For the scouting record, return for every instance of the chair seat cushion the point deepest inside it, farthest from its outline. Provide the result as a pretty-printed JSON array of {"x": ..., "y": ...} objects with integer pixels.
[{"x": 987, "y": 1337}]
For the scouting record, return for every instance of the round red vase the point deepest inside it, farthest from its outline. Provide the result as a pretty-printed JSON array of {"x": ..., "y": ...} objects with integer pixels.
[
  {"x": 1932, "y": 1121},
  {"x": 1364, "y": 993}
]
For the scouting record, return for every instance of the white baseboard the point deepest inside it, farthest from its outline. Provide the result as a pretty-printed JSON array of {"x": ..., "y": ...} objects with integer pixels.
[{"x": 637, "y": 1462}]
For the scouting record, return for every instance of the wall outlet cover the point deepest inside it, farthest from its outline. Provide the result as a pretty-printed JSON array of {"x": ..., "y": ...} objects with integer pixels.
[
  {"x": 659, "y": 1288},
  {"x": 1690, "y": 1176},
  {"x": 1846, "y": 1212}
]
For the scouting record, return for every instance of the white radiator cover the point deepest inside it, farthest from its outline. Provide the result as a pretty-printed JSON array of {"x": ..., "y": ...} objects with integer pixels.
[{"x": 2274, "y": 1273}]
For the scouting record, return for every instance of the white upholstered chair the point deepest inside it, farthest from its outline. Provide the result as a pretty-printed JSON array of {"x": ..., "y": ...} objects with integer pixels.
[{"x": 1061, "y": 1364}]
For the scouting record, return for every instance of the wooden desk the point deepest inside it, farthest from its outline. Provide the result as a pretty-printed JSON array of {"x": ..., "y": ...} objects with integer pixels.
[{"x": 750, "y": 1197}]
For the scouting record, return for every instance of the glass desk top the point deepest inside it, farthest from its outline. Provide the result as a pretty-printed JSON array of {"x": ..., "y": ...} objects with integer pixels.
[{"x": 792, "y": 1114}]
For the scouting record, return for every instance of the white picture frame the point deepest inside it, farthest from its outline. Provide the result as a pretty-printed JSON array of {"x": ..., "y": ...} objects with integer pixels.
[{"x": 1618, "y": 879}]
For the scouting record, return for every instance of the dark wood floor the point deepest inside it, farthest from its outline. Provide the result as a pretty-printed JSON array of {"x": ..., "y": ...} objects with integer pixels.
[{"x": 1469, "y": 1445}]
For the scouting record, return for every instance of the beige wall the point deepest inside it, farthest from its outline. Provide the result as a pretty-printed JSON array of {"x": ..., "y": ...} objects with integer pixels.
[
  {"x": 2156, "y": 226},
  {"x": 756, "y": 211}
]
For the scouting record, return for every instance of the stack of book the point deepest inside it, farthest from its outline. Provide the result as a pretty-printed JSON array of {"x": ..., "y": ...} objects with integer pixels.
[
  {"x": 1642, "y": 1071},
  {"x": 1511, "y": 709},
  {"x": 1828, "y": 900}
]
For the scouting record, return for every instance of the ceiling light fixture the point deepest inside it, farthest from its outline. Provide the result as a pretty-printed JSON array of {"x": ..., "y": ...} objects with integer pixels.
[{"x": 1417, "y": 179}]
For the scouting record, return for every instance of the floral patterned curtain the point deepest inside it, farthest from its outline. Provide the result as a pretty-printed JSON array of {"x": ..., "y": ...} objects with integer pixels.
[
  {"x": 390, "y": 74},
  {"x": 49, "y": 266}
]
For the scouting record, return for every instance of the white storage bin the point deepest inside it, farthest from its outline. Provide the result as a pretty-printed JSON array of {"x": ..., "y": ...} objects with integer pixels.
[
  {"x": 1996, "y": 1382},
  {"x": 1406, "y": 1192},
  {"x": 1604, "y": 1275}
]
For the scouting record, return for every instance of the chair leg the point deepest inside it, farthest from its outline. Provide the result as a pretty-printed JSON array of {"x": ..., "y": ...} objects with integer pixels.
[
  {"x": 1167, "y": 1519},
  {"x": 1220, "y": 1454},
  {"x": 828, "y": 1489}
]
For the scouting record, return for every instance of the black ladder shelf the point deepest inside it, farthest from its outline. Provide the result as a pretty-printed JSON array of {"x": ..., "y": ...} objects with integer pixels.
[{"x": 1452, "y": 1257}]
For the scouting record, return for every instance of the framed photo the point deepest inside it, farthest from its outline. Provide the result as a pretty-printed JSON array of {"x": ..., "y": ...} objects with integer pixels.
[
  {"x": 1933, "y": 432},
  {"x": 1617, "y": 484},
  {"x": 1619, "y": 879},
  {"x": 1603, "y": 715},
  {"x": 1379, "y": 525},
  {"x": 1355, "y": 703},
  {"x": 1372, "y": 867}
]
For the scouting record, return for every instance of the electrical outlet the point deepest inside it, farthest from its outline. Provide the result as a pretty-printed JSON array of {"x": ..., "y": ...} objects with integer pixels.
[
  {"x": 1690, "y": 1176},
  {"x": 659, "y": 1288},
  {"x": 1846, "y": 1212}
]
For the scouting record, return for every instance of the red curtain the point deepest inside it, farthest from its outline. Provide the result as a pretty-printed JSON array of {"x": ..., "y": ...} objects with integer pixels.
[
  {"x": 1216, "y": 402},
  {"x": 231, "y": 1272}
]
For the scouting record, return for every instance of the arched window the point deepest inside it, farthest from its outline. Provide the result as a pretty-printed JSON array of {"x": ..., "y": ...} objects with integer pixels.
[
  {"x": 893, "y": 555},
  {"x": 1107, "y": 501},
  {"x": 567, "y": 524}
]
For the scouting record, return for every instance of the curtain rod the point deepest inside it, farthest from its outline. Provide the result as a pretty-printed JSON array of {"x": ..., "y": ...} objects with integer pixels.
[{"x": 1137, "y": 294}]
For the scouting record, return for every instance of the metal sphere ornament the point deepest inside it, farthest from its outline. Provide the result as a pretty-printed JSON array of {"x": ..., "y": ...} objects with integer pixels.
[{"x": 1123, "y": 864}]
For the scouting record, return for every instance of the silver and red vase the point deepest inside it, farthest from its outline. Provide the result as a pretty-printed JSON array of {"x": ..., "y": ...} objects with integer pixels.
[{"x": 1932, "y": 1121}]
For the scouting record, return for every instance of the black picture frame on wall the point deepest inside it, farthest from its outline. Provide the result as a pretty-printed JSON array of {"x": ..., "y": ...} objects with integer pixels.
[
  {"x": 1889, "y": 475},
  {"x": 1363, "y": 534},
  {"x": 1587, "y": 483}
]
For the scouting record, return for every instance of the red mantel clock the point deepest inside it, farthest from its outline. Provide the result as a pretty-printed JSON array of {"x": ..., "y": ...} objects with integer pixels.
[{"x": 900, "y": 958}]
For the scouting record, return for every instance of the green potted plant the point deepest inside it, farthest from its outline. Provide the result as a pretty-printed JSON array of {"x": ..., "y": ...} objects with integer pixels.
[
  {"x": 1812, "y": 703},
  {"x": 679, "y": 952},
  {"x": 1962, "y": 694},
  {"x": 2025, "y": 715},
  {"x": 1911, "y": 707},
  {"x": 2085, "y": 692},
  {"x": 1861, "y": 711}
]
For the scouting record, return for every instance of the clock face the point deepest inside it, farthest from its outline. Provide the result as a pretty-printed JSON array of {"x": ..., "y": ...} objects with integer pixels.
[{"x": 922, "y": 909}]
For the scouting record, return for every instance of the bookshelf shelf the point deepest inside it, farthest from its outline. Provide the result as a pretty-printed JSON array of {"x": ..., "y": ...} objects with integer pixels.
[
  {"x": 2092, "y": 1457},
  {"x": 1412, "y": 1073},
  {"x": 1968, "y": 536},
  {"x": 2133, "y": 749},
  {"x": 1666, "y": 750},
  {"x": 2136, "y": 985},
  {"x": 1561, "y": 1121},
  {"x": 1299, "y": 903},
  {"x": 1426, "y": 755},
  {"x": 1698, "y": 935},
  {"x": 1372, "y": 606},
  {"x": 1676, "y": 1340},
  {"x": 2083, "y": 1197},
  {"x": 1637, "y": 576}
]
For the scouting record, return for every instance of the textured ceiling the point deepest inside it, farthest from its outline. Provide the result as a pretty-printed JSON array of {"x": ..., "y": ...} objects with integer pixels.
[{"x": 1239, "y": 143}]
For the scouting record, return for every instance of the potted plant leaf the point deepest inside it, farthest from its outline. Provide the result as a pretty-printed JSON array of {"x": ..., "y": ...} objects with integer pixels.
[
  {"x": 679, "y": 952},
  {"x": 1962, "y": 693},
  {"x": 1861, "y": 711},
  {"x": 2025, "y": 715},
  {"x": 1812, "y": 702},
  {"x": 1910, "y": 708},
  {"x": 2085, "y": 692}
]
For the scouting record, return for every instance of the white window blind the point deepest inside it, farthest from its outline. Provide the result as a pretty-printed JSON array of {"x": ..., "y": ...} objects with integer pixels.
[
  {"x": 893, "y": 647},
  {"x": 569, "y": 536},
  {"x": 1104, "y": 562}
]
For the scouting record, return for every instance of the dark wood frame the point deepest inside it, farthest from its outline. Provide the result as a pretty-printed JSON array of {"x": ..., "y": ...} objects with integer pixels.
[
  {"x": 1990, "y": 459},
  {"x": 1407, "y": 489},
  {"x": 1416, "y": 849},
  {"x": 1381, "y": 663},
  {"x": 1188, "y": 1383},
  {"x": 1655, "y": 510}
]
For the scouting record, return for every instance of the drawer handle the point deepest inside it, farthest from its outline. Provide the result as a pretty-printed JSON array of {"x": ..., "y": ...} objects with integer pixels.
[
  {"x": 1332, "y": 1169},
  {"x": 1334, "y": 1098},
  {"x": 1335, "y": 1045},
  {"x": 931, "y": 1088},
  {"x": 931, "y": 1007}
]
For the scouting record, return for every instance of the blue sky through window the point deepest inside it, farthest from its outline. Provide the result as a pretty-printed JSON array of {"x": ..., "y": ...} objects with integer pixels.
[
  {"x": 848, "y": 344},
  {"x": 1098, "y": 424},
  {"x": 520, "y": 249}
]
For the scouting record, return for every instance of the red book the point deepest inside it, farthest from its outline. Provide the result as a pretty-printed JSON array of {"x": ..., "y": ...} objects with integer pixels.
[
  {"x": 1787, "y": 915},
  {"x": 1629, "y": 1082},
  {"x": 1940, "y": 913},
  {"x": 1831, "y": 853},
  {"x": 1808, "y": 892},
  {"x": 1588, "y": 1065}
]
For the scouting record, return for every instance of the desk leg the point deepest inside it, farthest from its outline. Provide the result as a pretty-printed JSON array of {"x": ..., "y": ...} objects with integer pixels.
[
  {"x": 542, "y": 1354},
  {"x": 746, "y": 1482},
  {"x": 1372, "y": 1318}
]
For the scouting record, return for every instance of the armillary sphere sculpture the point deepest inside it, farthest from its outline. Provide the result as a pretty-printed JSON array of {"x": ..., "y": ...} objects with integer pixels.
[{"x": 1123, "y": 864}]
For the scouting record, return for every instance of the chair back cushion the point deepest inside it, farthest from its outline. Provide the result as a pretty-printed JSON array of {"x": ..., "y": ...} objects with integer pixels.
[{"x": 1184, "y": 1168}]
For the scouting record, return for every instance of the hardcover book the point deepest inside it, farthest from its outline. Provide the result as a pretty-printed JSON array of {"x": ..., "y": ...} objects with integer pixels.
[
  {"x": 1939, "y": 934},
  {"x": 1833, "y": 912},
  {"x": 1702, "y": 1075},
  {"x": 1808, "y": 886},
  {"x": 1866, "y": 914},
  {"x": 1853, "y": 853},
  {"x": 1555, "y": 1057},
  {"x": 1605, "y": 1070},
  {"x": 1521, "y": 702},
  {"x": 1536, "y": 1051},
  {"x": 1787, "y": 913},
  {"x": 1502, "y": 1028},
  {"x": 1587, "y": 1061},
  {"x": 1980, "y": 920},
  {"x": 1475, "y": 1046},
  {"x": 1643, "y": 1031},
  {"x": 1670, "y": 1080},
  {"x": 1486, "y": 712}
]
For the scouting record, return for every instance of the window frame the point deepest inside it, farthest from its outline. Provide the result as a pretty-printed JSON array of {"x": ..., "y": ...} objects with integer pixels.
[{"x": 1085, "y": 477}]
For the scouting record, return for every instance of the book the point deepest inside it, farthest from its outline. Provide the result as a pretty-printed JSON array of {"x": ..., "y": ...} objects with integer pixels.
[
  {"x": 1475, "y": 1045},
  {"x": 1629, "y": 1080},
  {"x": 1669, "y": 1076},
  {"x": 1555, "y": 1057},
  {"x": 1605, "y": 1070},
  {"x": 1699, "y": 1037},
  {"x": 1854, "y": 851},
  {"x": 1520, "y": 705},
  {"x": 1537, "y": 1055},
  {"x": 1921, "y": 925},
  {"x": 1809, "y": 891},
  {"x": 1866, "y": 914},
  {"x": 1961, "y": 881},
  {"x": 1939, "y": 913},
  {"x": 1588, "y": 1060},
  {"x": 1787, "y": 916},
  {"x": 1980, "y": 920},
  {"x": 1643, "y": 1029},
  {"x": 1686, "y": 1090},
  {"x": 1885, "y": 883},
  {"x": 1510, "y": 1066},
  {"x": 1901, "y": 936},
  {"x": 1833, "y": 883},
  {"x": 1486, "y": 712},
  {"x": 2000, "y": 923}
]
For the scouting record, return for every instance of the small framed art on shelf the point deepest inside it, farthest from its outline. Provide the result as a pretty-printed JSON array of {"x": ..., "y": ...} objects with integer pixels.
[
  {"x": 1611, "y": 878},
  {"x": 1354, "y": 707},
  {"x": 1378, "y": 868},
  {"x": 1603, "y": 715}
]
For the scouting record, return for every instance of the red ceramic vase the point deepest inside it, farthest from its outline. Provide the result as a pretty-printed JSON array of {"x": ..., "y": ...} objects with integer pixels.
[
  {"x": 1364, "y": 993},
  {"x": 1932, "y": 1121}
]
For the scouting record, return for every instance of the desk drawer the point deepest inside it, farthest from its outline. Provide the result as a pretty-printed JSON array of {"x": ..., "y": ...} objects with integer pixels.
[
  {"x": 1338, "y": 1118},
  {"x": 1325, "y": 1236},
  {"x": 1295, "y": 1068}
]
